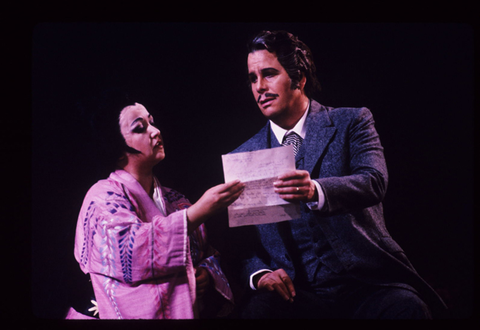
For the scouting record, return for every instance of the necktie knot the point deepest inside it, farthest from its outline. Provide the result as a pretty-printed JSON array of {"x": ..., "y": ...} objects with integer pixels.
[{"x": 293, "y": 139}]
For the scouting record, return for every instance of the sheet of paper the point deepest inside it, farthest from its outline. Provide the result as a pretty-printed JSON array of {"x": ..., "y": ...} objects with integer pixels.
[{"x": 258, "y": 169}]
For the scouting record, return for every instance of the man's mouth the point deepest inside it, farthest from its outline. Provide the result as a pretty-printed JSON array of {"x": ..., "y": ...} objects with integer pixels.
[
  {"x": 158, "y": 144},
  {"x": 266, "y": 98}
]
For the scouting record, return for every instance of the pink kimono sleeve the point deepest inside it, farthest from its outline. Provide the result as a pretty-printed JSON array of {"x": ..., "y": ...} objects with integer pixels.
[
  {"x": 208, "y": 257},
  {"x": 212, "y": 265},
  {"x": 203, "y": 254},
  {"x": 113, "y": 241}
]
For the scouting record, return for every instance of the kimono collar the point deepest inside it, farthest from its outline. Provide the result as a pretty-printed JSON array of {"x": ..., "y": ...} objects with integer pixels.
[
  {"x": 158, "y": 196},
  {"x": 147, "y": 206}
]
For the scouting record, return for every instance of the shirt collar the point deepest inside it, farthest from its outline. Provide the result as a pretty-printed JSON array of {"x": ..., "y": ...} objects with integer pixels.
[{"x": 300, "y": 128}]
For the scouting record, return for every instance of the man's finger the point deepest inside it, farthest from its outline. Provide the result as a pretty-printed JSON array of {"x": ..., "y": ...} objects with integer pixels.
[
  {"x": 298, "y": 190},
  {"x": 278, "y": 281},
  {"x": 286, "y": 285},
  {"x": 295, "y": 174},
  {"x": 288, "y": 183},
  {"x": 287, "y": 174},
  {"x": 282, "y": 290},
  {"x": 289, "y": 285}
]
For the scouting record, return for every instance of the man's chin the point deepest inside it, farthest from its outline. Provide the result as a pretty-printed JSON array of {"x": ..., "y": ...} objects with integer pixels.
[{"x": 270, "y": 113}]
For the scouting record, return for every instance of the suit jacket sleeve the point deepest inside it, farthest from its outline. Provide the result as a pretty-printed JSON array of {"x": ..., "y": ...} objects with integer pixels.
[{"x": 363, "y": 182}]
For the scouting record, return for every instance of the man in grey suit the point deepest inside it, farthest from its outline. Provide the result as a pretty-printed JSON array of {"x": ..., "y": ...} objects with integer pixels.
[{"x": 338, "y": 260}]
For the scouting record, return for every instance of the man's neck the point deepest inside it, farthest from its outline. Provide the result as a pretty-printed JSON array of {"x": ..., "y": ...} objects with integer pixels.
[
  {"x": 299, "y": 128},
  {"x": 294, "y": 115}
]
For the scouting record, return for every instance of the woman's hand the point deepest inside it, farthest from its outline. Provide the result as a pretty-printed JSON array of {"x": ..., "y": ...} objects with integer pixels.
[
  {"x": 212, "y": 201},
  {"x": 202, "y": 278}
]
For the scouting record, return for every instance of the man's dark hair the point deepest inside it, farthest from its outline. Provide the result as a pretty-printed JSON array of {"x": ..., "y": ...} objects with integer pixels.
[{"x": 294, "y": 55}]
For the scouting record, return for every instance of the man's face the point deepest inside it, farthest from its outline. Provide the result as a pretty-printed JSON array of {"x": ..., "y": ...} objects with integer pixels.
[{"x": 270, "y": 85}]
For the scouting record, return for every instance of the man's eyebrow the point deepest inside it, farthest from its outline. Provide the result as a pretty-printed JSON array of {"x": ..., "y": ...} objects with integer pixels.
[
  {"x": 264, "y": 71},
  {"x": 269, "y": 69}
]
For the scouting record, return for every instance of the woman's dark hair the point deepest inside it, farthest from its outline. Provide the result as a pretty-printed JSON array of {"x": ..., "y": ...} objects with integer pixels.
[
  {"x": 295, "y": 57},
  {"x": 101, "y": 115}
]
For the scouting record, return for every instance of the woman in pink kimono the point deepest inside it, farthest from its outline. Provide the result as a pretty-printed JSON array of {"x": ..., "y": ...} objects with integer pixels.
[{"x": 144, "y": 245}]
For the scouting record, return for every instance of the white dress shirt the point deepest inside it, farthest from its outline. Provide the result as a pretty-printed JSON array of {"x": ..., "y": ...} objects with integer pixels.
[{"x": 301, "y": 129}]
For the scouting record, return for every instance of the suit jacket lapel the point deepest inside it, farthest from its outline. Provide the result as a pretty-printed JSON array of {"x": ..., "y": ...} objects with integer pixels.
[{"x": 320, "y": 131}]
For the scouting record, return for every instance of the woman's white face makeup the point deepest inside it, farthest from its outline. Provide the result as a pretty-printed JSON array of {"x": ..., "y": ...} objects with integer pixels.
[{"x": 140, "y": 133}]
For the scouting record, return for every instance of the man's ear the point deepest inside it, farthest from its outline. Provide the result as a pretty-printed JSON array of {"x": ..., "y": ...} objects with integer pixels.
[{"x": 302, "y": 82}]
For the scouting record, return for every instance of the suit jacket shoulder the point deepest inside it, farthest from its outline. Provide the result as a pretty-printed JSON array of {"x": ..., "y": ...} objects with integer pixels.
[
  {"x": 319, "y": 116},
  {"x": 256, "y": 142},
  {"x": 338, "y": 115}
]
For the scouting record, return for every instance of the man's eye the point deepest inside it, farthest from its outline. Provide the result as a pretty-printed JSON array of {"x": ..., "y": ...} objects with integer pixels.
[{"x": 271, "y": 72}]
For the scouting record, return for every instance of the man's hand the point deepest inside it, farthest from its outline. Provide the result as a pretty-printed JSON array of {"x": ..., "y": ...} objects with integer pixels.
[
  {"x": 296, "y": 186},
  {"x": 279, "y": 281}
]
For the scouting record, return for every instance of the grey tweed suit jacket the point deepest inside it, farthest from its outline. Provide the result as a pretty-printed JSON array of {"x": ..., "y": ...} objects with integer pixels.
[{"x": 342, "y": 151}]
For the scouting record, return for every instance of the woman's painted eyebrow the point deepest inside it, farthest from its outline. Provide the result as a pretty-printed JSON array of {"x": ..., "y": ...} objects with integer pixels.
[{"x": 139, "y": 119}]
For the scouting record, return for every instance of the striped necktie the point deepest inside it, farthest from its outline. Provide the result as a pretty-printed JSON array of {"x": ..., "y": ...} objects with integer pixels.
[{"x": 293, "y": 139}]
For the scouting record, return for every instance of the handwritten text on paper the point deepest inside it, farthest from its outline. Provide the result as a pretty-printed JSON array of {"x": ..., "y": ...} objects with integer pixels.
[{"x": 258, "y": 169}]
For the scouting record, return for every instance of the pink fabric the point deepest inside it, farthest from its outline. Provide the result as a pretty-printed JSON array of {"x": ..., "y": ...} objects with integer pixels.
[
  {"x": 73, "y": 314},
  {"x": 139, "y": 260}
]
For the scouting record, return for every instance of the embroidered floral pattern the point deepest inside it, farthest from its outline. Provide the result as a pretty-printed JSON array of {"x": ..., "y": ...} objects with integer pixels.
[
  {"x": 94, "y": 309},
  {"x": 171, "y": 196},
  {"x": 113, "y": 202},
  {"x": 115, "y": 242},
  {"x": 109, "y": 285},
  {"x": 107, "y": 248},
  {"x": 86, "y": 229},
  {"x": 125, "y": 243},
  {"x": 120, "y": 249}
]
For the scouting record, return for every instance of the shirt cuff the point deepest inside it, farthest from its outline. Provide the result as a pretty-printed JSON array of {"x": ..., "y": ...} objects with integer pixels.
[
  {"x": 317, "y": 206},
  {"x": 253, "y": 275}
]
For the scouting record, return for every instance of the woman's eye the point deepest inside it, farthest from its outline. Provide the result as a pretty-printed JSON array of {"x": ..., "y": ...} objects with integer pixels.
[{"x": 138, "y": 129}]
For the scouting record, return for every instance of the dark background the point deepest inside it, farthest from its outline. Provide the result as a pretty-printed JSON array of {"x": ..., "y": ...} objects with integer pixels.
[{"x": 417, "y": 79}]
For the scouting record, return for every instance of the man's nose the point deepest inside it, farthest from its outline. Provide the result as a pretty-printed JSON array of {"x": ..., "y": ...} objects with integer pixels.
[{"x": 260, "y": 86}]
